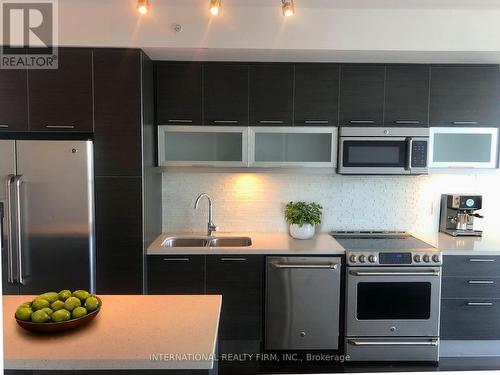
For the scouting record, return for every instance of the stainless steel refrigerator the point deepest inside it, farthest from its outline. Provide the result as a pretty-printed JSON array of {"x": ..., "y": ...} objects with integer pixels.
[{"x": 47, "y": 209}]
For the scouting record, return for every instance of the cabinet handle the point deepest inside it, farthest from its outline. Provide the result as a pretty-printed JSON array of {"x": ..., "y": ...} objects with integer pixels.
[
  {"x": 176, "y": 259},
  {"x": 271, "y": 122},
  {"x": 361, "y": 121},
  {"x": 233, "y": 259},
  {"x": 464, "y": 122},
  {"x": 225, "y": 121},
  {"x": 60, "y": 126},
  {"x": 181, "y": 121},
  {"x": 406, "y": 122},
  {"x": 479, "y": 303},
  {"x": 4, "y": 126},
  {"x": 481, "y": 260},
  {"x": 481, "y": 282},
  {"x": 308, "y": 122}
]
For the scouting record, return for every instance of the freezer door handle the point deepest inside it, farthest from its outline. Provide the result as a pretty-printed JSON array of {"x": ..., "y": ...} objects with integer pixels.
[
  {"x": 10, "y": 226},
  {"x": 17, "y": 182}
]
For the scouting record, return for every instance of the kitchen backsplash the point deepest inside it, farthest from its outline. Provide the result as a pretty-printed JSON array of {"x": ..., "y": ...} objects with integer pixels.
[{"x": 255, "y": 202}]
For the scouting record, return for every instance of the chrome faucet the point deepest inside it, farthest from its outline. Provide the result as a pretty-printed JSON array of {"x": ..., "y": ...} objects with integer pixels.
[{"x": 211, "y": 226}]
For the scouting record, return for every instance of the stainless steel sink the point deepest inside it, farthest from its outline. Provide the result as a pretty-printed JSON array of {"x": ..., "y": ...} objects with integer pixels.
[
  {"x": 186, "y": 242},
  {"x": 207, "y": 242},
  {"x": 231, "y": 242}
]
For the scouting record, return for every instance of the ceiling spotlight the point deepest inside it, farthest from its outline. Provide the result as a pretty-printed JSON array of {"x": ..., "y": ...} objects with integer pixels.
[
  {"x": 288, "y": 8},
  {"x": 142, "y": 6},
  {"x": 215, "y": 7}
]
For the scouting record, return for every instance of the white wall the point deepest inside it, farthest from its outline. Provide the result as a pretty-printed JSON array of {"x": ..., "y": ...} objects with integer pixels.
[
  {"x": 258, "y": 26},
  {"x": 255, "y": 202}
]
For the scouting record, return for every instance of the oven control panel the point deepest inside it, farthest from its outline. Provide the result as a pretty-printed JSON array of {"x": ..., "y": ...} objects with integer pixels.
[{"x": 393, "y": 258}]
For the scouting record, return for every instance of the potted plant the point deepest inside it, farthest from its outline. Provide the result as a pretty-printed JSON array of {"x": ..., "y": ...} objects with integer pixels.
[{"x": 302, "y": 218}]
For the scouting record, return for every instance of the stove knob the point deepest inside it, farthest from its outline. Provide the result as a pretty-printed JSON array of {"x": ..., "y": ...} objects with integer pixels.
[
  {"x": 362, "y": 258},
  {"x": 372, "y": 258},
  {"x": 417, "y": 258},
  {"x": 426, "y": 258},
  {"x": 352, "y": 258},
  {"x": 436, "y": 258}
]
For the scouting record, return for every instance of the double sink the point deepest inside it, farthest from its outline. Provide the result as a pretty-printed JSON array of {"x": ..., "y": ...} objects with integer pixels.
[{"x": 207, "y": 242}]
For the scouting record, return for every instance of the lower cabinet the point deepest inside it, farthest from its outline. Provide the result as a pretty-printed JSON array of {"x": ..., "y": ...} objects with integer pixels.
[
  {"x": 470, "y": 304},
  {"x": 176, "y": 274}
]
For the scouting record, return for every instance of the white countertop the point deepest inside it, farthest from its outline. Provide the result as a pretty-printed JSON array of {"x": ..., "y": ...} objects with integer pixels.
[
  {"x": 180, "y": 330},
  {"x": 262, "y": 243},
  {"x": 487, "y": 245}
]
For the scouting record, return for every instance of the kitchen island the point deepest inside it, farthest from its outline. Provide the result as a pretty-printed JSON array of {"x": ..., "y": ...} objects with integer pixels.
[{"x": 176, "y": 334}]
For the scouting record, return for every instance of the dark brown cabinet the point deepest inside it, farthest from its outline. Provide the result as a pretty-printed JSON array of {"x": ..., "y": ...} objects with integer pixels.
[
  {"x": 117, "y": 91},
  {"x": 61, "y": 99},
  {"x": 176, "y": 274},
  {"x": 225, "y": 93},
  {"x": 271, "y": 94},
  {"x": 406, "y": 95},
  {"x": 362, "y": 95},
  {"x": 13, "y": 100},
  {"x": 464, "y": 96},
  {"x": 179, "y": 92},
  {"x": 316, "y": 94}
]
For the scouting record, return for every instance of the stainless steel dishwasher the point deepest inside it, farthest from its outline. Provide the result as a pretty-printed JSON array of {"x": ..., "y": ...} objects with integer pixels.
[{"x": 302, "y": 303}]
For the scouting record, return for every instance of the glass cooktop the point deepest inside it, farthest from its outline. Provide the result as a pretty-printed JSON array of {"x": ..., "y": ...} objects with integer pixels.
[{"x": 379, "y": 241}]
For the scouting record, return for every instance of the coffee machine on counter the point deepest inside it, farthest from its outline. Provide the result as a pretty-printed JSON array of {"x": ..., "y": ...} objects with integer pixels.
[{"x": 458, "y": 213}]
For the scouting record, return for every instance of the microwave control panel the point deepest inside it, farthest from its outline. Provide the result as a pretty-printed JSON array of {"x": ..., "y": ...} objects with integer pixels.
[{"x": 419, "y": 154}]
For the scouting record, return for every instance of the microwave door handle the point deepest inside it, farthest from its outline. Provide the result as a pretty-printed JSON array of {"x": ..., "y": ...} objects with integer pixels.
[{"x": 409, "y": 153}]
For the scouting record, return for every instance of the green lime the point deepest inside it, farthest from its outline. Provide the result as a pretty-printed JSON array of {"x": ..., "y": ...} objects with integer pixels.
[
  {"x": 49, "y": 296},
  {"x": 40, "y": 316},
  {"x": 23, "y": 313},
  {"x": 25, "y": 304},
  {"x": 81, "y": 294},
  {"x": 39, "y": 303},
  {"x": 64, "y": 294},
  {"x": 78, "y": 312},
  {"x": 91, "y": 303},
  {"x": 60, "y": 315},
  {"x": 48, "y": 310},
  {"x": 71, "y": 303},
  {"x": 57, "y": 305}
]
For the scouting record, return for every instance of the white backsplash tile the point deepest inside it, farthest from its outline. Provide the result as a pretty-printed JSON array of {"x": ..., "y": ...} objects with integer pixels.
[{"x": 255, "y": 201}]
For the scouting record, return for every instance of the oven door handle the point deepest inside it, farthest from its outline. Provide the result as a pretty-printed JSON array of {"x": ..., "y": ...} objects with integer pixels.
[
  {"x": 431, "y": 342},
  {"x": 395, "y": 273}
]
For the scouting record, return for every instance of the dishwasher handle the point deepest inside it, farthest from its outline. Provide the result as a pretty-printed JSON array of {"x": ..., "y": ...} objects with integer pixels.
[{"x": 333, "y": 266}]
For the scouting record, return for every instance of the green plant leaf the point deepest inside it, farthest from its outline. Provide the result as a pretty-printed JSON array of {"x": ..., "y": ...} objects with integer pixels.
[{"x": 301, "y": 213}]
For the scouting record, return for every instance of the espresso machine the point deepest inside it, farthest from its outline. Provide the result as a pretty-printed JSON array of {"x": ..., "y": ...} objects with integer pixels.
[{"x": 458, "y": 213}]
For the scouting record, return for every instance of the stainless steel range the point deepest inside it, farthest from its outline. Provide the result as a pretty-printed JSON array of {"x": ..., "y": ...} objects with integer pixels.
[{"x": 393, "y": 297}]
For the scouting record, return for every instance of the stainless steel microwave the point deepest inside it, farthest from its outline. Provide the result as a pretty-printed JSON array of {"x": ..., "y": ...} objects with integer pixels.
[{"x": 399, "y": 151}]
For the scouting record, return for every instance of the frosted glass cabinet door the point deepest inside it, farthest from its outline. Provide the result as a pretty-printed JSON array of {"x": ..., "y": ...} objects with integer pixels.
[
  {"x": 293, "y": 147},
  {"x": 217, "y": 146},
  {"x": 463, "y": 147}
]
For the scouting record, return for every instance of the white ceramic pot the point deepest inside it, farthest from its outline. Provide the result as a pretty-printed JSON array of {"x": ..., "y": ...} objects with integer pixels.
[{"x": 303, "y": 232}]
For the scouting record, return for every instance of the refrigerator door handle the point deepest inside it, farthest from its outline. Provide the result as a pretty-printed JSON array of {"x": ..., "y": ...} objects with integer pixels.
[
  {"x": 10, "y": 226},
  {"x": 18, "y": 181}
]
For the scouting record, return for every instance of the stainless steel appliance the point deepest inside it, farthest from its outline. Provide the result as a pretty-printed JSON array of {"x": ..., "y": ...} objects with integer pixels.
[
  {"x": 393, "y": 297},
  {"x": 48, "y": 221},
  {"x": 302, "y": 303},
  {"x": 458, "y": 213},
  {"x": 401, "y": 151}
]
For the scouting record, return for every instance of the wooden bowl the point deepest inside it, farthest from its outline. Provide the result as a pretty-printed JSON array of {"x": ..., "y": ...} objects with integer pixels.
[{"x": 60, "y": 326}]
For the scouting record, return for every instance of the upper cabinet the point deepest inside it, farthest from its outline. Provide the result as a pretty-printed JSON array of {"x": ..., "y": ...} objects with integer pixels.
[
  {"x": 61, "y": 99},
  {"x": 13, "y": 100},
  {"x": 362, "y": 94},
  {"x": 316, "y": 94},
  {"x": 271, "y": 94},
  {"x": 464, "y": 96},
  {"x": 179, "y": 93},
  {"x": 225, "y": 94},
  {"x": 406, "y": 95}
]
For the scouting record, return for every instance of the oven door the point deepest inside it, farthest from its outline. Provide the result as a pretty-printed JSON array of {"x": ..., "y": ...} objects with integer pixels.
[
  {"x": 374, "y": 155},
  {"x": 393, "y": 301}
]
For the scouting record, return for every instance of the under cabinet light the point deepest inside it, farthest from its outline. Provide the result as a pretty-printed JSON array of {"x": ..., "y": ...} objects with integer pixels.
[
  {"x": 142, "y": 6},
  {"x": 288, "y": 8},
  {"x": 215, "y": 7}
]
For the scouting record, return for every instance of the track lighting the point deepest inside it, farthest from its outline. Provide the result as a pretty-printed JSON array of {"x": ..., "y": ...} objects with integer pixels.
[
  {"x": 142, "y": 6},
  {"x": 288, "y": 8},
  {"x": 215, "y": 7}
]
